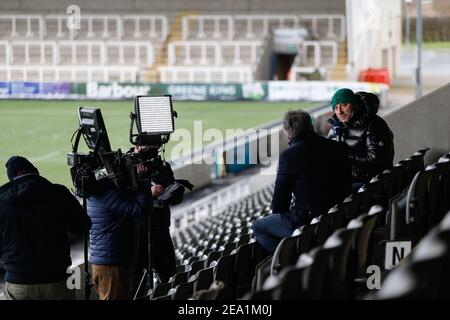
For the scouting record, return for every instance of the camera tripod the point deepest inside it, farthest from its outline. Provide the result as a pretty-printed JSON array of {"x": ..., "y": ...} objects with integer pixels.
[
  {"x": 147, "y": 275},
  {"x": 87, "y": 276}
]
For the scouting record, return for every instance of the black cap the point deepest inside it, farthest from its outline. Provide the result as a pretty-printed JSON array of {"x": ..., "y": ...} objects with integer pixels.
[{"x": 17, "y": 165}]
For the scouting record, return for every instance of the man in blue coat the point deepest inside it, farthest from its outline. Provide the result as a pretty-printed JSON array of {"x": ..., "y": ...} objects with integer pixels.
[
  {"x": 315, "y": 171},
  {"x": 113, "y": 213}
]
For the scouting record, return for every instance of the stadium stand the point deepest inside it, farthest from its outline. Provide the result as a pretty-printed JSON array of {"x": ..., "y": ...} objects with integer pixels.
[
  {"x": 243, "y": 41},
  {"x": 423, "y": 273},
  {"x": 115, "y": 47},
  {"x": 179, "y": 48},
  {"x": 326, "y": 259}
]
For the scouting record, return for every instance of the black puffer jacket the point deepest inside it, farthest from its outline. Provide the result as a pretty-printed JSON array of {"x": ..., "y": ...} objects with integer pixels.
[
  {"x": 35, "y": 216},
  {"x": 370, "y": 142}
]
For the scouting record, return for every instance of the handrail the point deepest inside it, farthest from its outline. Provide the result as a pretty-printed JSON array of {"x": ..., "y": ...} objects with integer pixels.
[
  {"x": 103, "y": 47},
  {"x": 318, "y": 47},
  {"x": 28, "y": 18},
  {"x": 217, "y": 48},
  {"x": 185, "y": 26},
  {"x": 282, "y": 20},
  {"x": 151, "y": 19},
  {"x": 171, "y": 74},
  {"x": 126, "y": 73},
  {"x": 88, "y": 20}
]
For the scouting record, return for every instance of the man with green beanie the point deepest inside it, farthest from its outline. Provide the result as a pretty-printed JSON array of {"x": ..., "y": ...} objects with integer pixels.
[{"x": 371, "y": 146}]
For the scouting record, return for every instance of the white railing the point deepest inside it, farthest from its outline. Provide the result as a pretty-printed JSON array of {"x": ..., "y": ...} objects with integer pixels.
[
  {"x": 35, "y": 23},
  {"x": 136, "y": 46},
  {"x": 80, "y": 52},
  {"x": 91, "y": 26},
  {"x": 87, "y": 52},
  {"x": 5, "y": 52},
  {"x": 257, "y": 26},
  {"x": 206, "y": 74},
  {"x": 30, "y": 48},
  {"x": 78, "y": 73},
  {"x": 87, "y": 21},
  {"x": 332, "y": 22},
  {"x": 318, "y": 57},
  {"x": 213, "y": 52},
  {"x": 200, "y": 21},
  {"x": 149, "y": 24}
]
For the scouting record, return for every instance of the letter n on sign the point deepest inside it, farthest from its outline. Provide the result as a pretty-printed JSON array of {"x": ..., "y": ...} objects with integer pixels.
[{"x": 395, "y": 252}]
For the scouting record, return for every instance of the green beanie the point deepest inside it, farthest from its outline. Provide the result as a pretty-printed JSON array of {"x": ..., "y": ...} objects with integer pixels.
[{"x": 344, "y": 95}]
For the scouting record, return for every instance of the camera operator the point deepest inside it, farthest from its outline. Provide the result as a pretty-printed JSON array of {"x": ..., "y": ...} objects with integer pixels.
[
  {"x": 35, "y": 216},
  {"x": 113, "y": 213},
  {"x": 162, "y": 250}
]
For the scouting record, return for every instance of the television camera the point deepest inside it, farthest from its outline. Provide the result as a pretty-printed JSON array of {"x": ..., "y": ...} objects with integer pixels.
[{"x": 154, "y": 118}]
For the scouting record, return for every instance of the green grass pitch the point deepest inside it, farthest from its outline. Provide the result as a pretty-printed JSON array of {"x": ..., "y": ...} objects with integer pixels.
[{"x": 41, "y": 130}]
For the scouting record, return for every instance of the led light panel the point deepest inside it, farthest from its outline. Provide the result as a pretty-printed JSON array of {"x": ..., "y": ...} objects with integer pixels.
[{"x": 155, "y": 114}]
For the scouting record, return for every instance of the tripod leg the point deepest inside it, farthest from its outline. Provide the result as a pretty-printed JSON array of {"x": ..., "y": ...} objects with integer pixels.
[
  {"x": 136, "y": 294},
  {"x": 87, "y": 275}
]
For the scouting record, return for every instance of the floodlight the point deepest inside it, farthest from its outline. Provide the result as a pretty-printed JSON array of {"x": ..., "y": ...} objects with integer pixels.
[{"x": 154, "y": 120}]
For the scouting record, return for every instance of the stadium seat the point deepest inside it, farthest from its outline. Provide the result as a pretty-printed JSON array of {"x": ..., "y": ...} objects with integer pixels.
[
  {"x": 351, "y": 205},
  {"x": 258, "y": 253},
  {"x": 285, "y": 254},
  {"x": 394, "y": 181},
  {"x": 184, "y": 291},
  {"x": 205, "y": 278},
  {"x": 245, "y": 269},
  {"x": 262, "y": 272},
  {"x": 209, "y": 294},
  {"x": 180, "y": 277},
  {"x": 228, "y": 248},
  {"x": 371, "y": 194},
  {"x": 423, "y": 274},
  {"x": 196, "y": 266},
  {"x": 361, "y": 246},
  {"x": 342, "y": 240},
  {"x": 418, "y": 204},
  {"x": 244, "y": 239},
  {"x": 316, "y": 270},
  {"x": 161, "y": 289},
  {"x": 338, "y": 217},
  {"x": 323, "y": 223},
  {"x": 213, "y": 256},
  {"x": 225, "y": 272},
  {"x": 290, "y": 287},
  {"x": 306, "y": 238}
]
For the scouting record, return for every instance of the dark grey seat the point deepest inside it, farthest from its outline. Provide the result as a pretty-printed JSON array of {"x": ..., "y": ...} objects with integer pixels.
[
  {"x": 285, "y": 254},
  {"x": 204, "y": 279},
  {"x": 184, "y": 291},
  {"x": 225, "y": 272}
]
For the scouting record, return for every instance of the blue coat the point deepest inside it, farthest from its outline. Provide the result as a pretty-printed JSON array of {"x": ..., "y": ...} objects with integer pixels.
[
  {"x": 317, "y": 172},
  {"x": 112, "y": 213}
]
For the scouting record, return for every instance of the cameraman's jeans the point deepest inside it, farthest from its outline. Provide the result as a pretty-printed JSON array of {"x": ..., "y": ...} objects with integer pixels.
[{"x": 271, "y": 229}]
